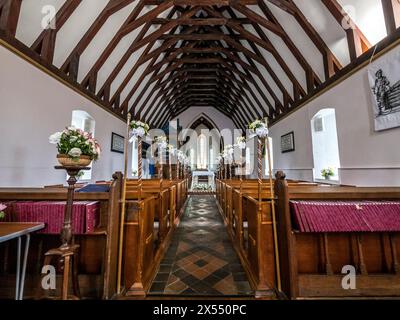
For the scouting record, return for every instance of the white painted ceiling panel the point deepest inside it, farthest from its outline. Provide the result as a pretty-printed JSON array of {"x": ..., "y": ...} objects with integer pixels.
[
  {"x": 133, "y": 80},
  {"x": 328, "y": 28},
  {"x": 101, "y": 40},
  {"x": 116, "y": 56},
  {"x": 368, "y": 15},
  {"x": 288, "y": 57},
  {"x": 300, "y": 40},
  {"x": 75, "y": 28},
  {"x": 31, "y": 17},
  {"x": 125, "y": 70}
]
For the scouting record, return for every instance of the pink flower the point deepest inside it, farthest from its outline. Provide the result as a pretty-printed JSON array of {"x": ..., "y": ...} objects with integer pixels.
[{"x": 2, "y": 207}]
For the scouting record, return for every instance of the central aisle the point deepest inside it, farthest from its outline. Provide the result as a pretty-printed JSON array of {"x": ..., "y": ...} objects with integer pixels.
[{"x": 201, "y": 259}]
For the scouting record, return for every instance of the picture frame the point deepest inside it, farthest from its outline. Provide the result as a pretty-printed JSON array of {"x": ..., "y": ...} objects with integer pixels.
[
  {"x": 117, "y": 143},
  {"x": 287, "y": 142}
]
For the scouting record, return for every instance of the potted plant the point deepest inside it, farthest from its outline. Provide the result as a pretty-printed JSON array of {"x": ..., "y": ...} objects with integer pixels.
[
  {"x": 75, "y": 147},
  {"x": 327, "y": 173},
  {"x": 2, "y": 208}
]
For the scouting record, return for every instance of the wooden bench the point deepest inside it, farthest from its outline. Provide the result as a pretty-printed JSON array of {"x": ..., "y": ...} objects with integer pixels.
[
  {"x": 151, "y": 218},
  {"x": 311, "y": 263},
  {"x": 99, "y": 249}
]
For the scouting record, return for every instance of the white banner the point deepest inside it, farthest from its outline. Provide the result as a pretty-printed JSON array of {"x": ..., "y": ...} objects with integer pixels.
[{"x": 384, "y": 79}]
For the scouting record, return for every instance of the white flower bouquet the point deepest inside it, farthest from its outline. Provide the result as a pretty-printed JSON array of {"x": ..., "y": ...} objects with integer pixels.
[
  {"x": 227, "y": 154},
  {"x": 181, "y": 156},
  {"x": 139, "y": 129},
  {"x": 171, "y": 149},
  {"x": 259, "y": 128},
  {"x": 75, "y": 143},
  {"x": 161, "y": 142},
  {"x": 241, "y": 143},
  {"x": 202, "y": 187}
]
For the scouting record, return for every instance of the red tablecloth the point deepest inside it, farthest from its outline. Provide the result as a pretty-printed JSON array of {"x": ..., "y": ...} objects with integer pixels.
[
  {"x": 349, "y": 216},
  {"x": 85, "y": 216}
]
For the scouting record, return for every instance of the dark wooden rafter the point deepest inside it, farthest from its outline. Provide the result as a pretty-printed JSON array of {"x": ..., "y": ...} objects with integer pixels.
[
  {"x": 357, "y": 42},
  {"x": 9, "y": 13},
  {"x": 312, "y": 78},
  {"x": 45, "y": 44},
  {"x": 197, "y": 53},
  {"x": 70, "y": 64},
  {"x": 390, "y": 9},
  {"x": 130, "y": 24}
]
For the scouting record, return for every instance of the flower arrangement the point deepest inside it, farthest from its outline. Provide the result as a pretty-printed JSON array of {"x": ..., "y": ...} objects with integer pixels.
[
  {"x": 241, "y": 143},
  {"x": 171, "y": 149},
  {"x": 161, "y": 142},
  {"x": 259, "y": 128},
  {"x": 2, "y": 208},
  {"x": 202, "y": 187},
  {"x": 74, "y": 143},
  {"x": 180, "y": 155},
  {"x": 228, "y": 151},
  {"x": 139, "y": 129},
  {"x": 327, "y": 173}
]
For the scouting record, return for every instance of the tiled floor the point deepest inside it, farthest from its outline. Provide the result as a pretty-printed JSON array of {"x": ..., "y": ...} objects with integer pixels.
[{"x": 201, "y": 259}]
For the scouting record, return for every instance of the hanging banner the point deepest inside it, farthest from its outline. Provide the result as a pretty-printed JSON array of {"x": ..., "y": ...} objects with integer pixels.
[{"x": 384, "y": 79}]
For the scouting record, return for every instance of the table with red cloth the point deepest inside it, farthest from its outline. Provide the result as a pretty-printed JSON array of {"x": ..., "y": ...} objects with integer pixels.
[
  {"x": 85, "y": 216},
  {"x": 346, "y": 216}
]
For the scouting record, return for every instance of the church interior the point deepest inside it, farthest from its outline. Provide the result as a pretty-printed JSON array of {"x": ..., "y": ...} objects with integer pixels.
[{"x": 199, "y": 149}]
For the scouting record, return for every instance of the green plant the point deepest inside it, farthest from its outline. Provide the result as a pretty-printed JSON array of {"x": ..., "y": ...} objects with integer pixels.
[
  {"x": 327, "y": 173},
  {"x": 80, "y": 174}
]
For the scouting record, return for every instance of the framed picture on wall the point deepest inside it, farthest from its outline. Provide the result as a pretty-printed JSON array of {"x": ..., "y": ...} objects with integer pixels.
[
  {"x": 117, "y": 143},
  {"x": 287, "y": 143}
]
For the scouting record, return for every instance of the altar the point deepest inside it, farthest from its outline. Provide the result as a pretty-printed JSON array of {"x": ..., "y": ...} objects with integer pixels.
[{"x": 199, "y": 175}]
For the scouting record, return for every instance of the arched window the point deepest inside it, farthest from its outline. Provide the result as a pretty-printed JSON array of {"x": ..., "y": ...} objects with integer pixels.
[
  {"x": 202, "y": 157},
  {"x": 325, "y": 144},
  {"x": 82, "y": 120}
]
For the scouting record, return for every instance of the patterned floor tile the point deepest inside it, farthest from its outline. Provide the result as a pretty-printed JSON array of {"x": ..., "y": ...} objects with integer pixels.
[{"x": 201, "y": 259}]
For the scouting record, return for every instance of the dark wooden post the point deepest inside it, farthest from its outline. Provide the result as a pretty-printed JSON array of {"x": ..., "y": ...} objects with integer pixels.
[{"x": 66, "y": 232}]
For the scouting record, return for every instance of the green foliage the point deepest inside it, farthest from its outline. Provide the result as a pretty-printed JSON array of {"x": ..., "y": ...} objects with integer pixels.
[{"x": 327, "y": 173}]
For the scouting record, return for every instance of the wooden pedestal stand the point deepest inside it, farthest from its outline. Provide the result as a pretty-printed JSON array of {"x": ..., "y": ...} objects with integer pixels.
[{"x": 67, "y": 254}]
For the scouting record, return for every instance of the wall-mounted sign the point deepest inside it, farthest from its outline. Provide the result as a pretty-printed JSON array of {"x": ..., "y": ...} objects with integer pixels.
[
  {"x": 287, "y": 142},
  {"x": 117, "y": 143}
]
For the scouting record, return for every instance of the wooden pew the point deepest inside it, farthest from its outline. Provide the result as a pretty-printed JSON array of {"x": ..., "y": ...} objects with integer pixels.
[
  {"x": 311, "y": 263},
  {"x": 98, "y": 257},
  {"x": 249, "y": 222},
  {"x": 144, "y": 245}
]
